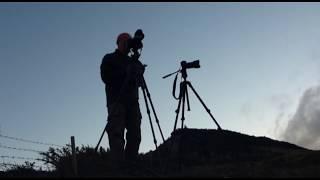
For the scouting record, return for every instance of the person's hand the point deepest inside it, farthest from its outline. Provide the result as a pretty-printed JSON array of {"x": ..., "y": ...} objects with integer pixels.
[{"x": 134, "y": 69}]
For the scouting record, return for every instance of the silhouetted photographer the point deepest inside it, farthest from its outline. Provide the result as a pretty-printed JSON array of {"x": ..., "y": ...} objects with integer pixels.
[
  {"x": 119, "y": 73},
  {"x": 123, "y": 75}
]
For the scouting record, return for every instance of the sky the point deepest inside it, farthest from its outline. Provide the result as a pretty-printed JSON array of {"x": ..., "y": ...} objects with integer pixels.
[{"x": 257, "y": 61}]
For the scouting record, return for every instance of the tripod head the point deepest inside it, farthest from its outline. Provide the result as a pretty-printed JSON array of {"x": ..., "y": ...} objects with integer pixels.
[{"x": 183, "y": 69}]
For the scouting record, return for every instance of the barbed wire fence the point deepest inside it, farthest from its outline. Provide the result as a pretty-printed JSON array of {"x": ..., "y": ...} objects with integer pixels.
[
  {"x": 29, "y": 141},
  {"x": 5, "y": 165}
]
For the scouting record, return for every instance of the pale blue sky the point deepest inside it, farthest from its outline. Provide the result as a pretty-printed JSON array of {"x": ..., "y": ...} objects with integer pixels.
[{"x": 256, "y": 60}]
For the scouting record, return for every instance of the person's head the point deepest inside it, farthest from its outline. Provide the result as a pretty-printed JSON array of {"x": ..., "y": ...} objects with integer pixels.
[{"x": 123, "y": 42}]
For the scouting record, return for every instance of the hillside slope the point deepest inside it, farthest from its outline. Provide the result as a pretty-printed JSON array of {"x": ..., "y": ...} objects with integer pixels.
[{"x": 203, "y": 152}]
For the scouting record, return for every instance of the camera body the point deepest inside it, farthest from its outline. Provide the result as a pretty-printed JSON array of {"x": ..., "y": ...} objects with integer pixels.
[
  {"x": 187, "y": 65},
  {"x": 193, "y": 64},
  {"x": 136, "y": 42}
]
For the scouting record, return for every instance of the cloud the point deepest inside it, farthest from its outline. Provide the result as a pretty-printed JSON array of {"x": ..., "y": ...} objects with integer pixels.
[
  {"x": 281, "y": 103},
  {"x": 304, "y": 127}
]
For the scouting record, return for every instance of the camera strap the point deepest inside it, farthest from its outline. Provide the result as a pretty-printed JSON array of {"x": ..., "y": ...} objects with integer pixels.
[{"x": 174, "y": 87}]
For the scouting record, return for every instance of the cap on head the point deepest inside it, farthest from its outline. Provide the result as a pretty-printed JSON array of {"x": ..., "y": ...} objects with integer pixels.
[{"x": 123, "y": 37}]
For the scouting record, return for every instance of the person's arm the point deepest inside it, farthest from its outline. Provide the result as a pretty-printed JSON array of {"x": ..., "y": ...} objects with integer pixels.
[{"x": 106, "y": 69}]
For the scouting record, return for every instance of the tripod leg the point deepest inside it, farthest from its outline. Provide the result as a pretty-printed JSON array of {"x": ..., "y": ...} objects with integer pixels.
[
  {"x": 183, "y": 86},
  {"x": 178, "y": 108},
  {"x": 207, "y": 109},
  {"x": 148, "y": 111},
  {"x": 187, "y": 99},
  {"x": 104, "y": 130},
  {"x": 183, "y": 103},
  {"x": 177, "y": 114},
  {"x": 152, "y": 107}
]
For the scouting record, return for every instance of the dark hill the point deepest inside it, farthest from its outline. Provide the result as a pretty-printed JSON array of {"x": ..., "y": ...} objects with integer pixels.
[
  {"x": 209, "y": 143},
  {"x": 203, "y": 152}
]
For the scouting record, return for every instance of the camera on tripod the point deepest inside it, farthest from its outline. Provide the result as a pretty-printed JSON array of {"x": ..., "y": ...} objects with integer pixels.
[
  {"x": 193, "y": 64},
  {"x": 183, "y": 94},
  {"x": 136, "y": 41},
  {"x": 135, "y": 44}
]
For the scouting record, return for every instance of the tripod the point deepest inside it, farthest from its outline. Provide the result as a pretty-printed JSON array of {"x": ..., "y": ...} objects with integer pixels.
[
  {"x": 184, "y": 96},
  {"x": 146, "y": 96}
]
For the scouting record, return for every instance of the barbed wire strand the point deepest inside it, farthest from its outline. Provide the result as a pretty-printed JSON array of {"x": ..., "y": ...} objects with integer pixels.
[
  {"x": 20, "y": 149},
  {"x": 20, "y": 157},
  {"x": 29, "y": 141}
]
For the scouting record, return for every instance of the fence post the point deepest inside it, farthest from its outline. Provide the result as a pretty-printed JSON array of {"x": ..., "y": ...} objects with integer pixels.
[{"x": 74, "y": 158}]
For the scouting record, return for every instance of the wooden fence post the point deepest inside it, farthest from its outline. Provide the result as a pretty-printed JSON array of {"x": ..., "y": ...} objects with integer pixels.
[{"x": 74, "y": 158}]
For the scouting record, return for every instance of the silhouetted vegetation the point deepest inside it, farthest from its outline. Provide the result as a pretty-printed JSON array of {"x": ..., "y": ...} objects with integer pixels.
[
  {"x": 190, "y": 152},
  {"x": 25, "y": 170}
]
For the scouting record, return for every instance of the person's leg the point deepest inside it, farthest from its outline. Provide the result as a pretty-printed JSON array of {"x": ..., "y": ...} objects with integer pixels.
[
  {"x": 133, "y": 135},
  {"x": 115, "y": 130}
]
